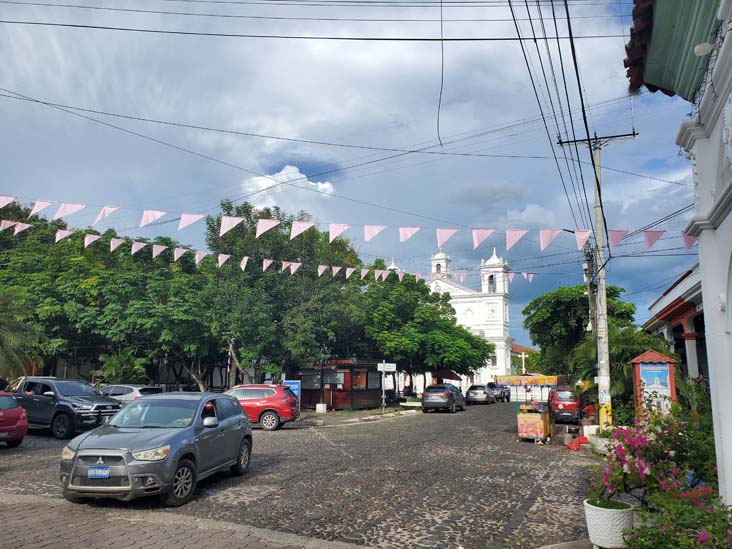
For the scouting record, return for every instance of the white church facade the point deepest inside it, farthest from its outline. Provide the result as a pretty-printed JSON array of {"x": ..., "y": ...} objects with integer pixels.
[{"x": 485, "y": 313}]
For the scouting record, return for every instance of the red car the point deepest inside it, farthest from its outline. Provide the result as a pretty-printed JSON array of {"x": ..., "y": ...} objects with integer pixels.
[
  {"x": 268, "y": 405},
  {"x": 564, "y": 405},
  {"x": 13, "y": 421}
]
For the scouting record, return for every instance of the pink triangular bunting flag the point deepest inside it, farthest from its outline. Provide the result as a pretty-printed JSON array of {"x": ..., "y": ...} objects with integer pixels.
[
  {"x": 513, "y": 236},
  {"x": 264, "y": 225},
  {"x": 115, "y": 243},
  {"x": 6, "y": 199},
  {"x": 39, "y": 206},
  {"x": 370, "y": 231},
  {"x": 266, "y": 263},
  {"x": 294, "y": 267},
  {"x": 652, "y": 237},
  {"x": 90, "y": 239},
  {"x": 689, "y": 240},
  {"x": 480, "y": 235},
  {"x": 462, "y": 277},
  {"x": 510, "y": 276},
  {"x": 405, "y": 233},
  {"x": 443, "y": 235},
  {"x": 378, "y": 273},
  {"x": 400, "y": 274},
  {"x": 615, "y": 237},
  {"x": 157, "y": 249},
  {"x": 547, "y": 236},
  {"x": 178, "y": 253},
  {"x": 6, "y": 224},
  {"x": 67, "y": 209},
  {"x": 581, "y": 236},
  {"x": 222, "y": 258},
  {"x": 199, "y": 256},
  {"x": 228, "y": 223},
  {"x": 349, "y": 272},
  {"x": 530, "y": 277},
  {"x": 285, "y": 265},
  {"x": 385, "y": 274},
  {"x": 364, "y": 272},
  {"x": 61, "y": 234},
  {"x": 137, "y": 246},
  {"x": 148, "y": 216},
  {"x": 106, "y": 211},
  {"x": 336, "y": 229},
  {"x": 335, "y": 270},
  {"x": 243, "y": 263},
  {"x": 20, "y": 227},
  {"x": 418, "y": 277},
  {"x": 525, "y": 275},
  {"x": 188, "y": 219},
  {"x": 299, "y": 227},
  {"x": 322, "y": 269}
]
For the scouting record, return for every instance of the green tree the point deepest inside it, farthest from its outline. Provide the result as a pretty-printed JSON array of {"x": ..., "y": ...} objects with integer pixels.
[
  {"x": 557, "y": 322},
  {"x": 19, "y": 339},
  {"x": 123, "y": 367}
]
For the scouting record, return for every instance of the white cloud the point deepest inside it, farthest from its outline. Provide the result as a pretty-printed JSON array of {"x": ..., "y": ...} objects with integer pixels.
[{"x": 299, "y": 194}]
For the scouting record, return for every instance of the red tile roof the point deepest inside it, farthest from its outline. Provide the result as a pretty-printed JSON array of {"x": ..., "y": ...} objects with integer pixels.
[{"x": 653, "y": 357}]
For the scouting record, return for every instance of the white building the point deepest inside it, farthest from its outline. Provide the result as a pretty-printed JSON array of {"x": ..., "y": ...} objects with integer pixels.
[
  {"x": 484, "y": 313},
  {"x": 684, "y": 48}
]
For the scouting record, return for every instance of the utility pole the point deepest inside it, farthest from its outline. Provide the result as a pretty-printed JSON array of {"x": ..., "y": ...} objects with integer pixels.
[
  {"x": 600, "y": 298},
  {"x": 523, "y": 362}
]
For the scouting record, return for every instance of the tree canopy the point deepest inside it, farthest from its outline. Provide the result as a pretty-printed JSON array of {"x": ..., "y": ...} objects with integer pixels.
[{"x": 122, "y": 312}]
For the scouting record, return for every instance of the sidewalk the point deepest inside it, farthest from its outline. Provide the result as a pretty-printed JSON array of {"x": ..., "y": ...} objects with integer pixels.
[
  {"x": 350, "y": 417},
  {"x": 55, "y": 523},
  {"x": 578, "y": 544}
]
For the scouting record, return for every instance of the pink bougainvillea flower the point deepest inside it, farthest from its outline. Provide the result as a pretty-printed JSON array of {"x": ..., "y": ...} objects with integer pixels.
[{"x": 702, "y": 538}]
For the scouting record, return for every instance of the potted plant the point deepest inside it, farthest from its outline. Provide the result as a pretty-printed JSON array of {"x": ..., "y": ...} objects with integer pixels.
[{"x": 607, "y": 519}]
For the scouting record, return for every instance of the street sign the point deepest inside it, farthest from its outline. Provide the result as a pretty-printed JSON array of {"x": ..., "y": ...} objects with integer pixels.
[
  {"x": 294, "y": 386},
  {"x": 387, "y": 367}
]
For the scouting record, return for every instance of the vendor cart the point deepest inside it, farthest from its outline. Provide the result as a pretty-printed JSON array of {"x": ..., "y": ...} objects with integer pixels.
[{"x": 533, "y": 416}]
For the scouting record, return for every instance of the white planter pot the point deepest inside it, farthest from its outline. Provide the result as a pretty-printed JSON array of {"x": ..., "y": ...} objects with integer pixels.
[{"x": 605, "y": 526}]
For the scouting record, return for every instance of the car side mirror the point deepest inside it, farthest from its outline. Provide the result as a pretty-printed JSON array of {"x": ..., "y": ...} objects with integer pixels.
[
  {"x": 50, "y": 394},
  {"x": 210, "y": 422}
]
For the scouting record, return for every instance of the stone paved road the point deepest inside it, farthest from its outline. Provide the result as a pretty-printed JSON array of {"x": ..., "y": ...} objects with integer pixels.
[{"x": 424, "y": 480}]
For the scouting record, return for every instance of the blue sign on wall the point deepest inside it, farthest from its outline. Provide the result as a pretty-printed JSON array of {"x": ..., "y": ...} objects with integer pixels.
[{"x": 294, "y": 386}]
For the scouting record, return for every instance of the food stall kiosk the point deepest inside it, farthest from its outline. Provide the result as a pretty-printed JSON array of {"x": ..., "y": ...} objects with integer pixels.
[{"x": 533, "y": 416}]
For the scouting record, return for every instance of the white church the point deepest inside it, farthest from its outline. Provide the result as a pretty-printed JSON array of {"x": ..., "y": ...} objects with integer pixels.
[{"x": 484, "y": 313}]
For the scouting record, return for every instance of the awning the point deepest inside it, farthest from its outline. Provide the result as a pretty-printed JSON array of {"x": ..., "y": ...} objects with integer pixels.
[{"x": 446, "y": 374}]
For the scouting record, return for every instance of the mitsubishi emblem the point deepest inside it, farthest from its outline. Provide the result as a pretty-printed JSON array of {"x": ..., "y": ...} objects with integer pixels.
[{"x": 100, "y": 461}]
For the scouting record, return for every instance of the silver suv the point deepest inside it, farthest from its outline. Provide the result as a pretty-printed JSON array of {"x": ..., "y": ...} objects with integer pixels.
[
  {"x": 128, "y": 393},
  {"x": 159, "y": 445}
]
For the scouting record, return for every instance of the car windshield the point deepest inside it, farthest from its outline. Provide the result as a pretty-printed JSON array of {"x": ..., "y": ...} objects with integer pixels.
[
  {"x": 477, "y": 388},
  {"x": 160, "y": 414},
  {"x": 436, "y": 389},
  {"x": 76, "y": 388},
  {"x": 150, "y": 390},
  {"x": 565, "y": 395},
  {"x": 8, "y": 403}
]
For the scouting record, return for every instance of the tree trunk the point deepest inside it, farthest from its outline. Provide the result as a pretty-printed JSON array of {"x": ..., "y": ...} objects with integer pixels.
[
  {"x": 189, "y": 369},
  {"x": 234, "y": 365}
]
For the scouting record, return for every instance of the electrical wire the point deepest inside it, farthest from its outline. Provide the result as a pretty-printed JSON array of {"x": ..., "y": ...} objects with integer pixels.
[{"x": 278, "y": 36}]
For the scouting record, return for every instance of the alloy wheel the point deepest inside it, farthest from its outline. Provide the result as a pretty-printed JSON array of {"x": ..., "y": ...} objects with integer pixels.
[
  {"x": 183, "y": 482},
  {"x": 244, "y": 456},
  {"x": 269, "y": 421}
]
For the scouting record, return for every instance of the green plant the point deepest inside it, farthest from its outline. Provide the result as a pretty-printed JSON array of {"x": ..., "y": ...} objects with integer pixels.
[
  {"x": 623, "y": 414},
  {"x": 123, "y": 367},
  {"x": 683, "y": 518}
]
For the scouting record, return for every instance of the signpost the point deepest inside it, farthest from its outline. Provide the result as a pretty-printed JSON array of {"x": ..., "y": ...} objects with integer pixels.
[
  {"x": 294, "y": 385},
  {"x": 385, "y": 367}
]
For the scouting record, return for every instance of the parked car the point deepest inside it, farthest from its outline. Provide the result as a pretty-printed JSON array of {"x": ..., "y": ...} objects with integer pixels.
[
  {"x": 13, "y": 420},
  {"x": 564, "y": 405},
  {"x": 442, "y": 396},
  {"x": 502, "y": 392},
  {"x": 65, "y": 406},
  {"x": 480, "y": 394},
  {"x": 269, "y": 406},
  {"x": 128, "y": 393},
  {"x": 159, "y": 445}
]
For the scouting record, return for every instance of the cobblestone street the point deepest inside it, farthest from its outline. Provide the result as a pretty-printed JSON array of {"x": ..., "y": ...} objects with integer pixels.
[{"x": 421, "y": 480}]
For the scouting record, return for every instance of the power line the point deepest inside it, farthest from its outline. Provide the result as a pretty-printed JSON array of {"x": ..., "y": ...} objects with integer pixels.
[
  {"x": 541, "y": 111},
  {"x": 373, "y": 3},
  {"x": 278, "y": 18},
  {"x": 281, "y": 36}
]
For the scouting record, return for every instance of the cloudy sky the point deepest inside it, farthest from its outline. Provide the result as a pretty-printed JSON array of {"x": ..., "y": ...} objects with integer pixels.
[{"x": 378, "y": 94}]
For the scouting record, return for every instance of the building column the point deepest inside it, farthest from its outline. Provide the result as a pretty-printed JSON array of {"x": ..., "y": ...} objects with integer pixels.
[{"x": 692, "y": 361}]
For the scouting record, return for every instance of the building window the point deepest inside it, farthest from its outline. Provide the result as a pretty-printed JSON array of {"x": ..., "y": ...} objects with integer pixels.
[
  {"x": 491, "y": 284},
  {"x": 438, "y": 268}
]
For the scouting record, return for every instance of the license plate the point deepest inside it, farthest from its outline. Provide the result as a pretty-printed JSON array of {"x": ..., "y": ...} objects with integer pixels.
[{"x": 98, "y": 471}]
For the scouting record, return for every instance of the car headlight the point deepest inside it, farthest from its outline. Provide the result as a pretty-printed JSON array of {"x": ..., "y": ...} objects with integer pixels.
[
  {"x": 82, "y": 406},
  {"x": 156, "y": 454},
  {"x": 67, "y": 453}
]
